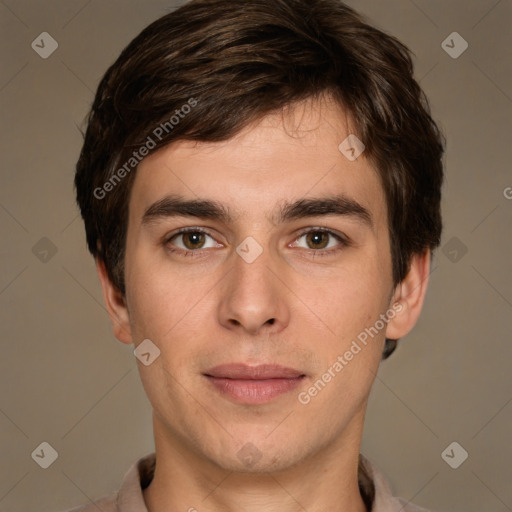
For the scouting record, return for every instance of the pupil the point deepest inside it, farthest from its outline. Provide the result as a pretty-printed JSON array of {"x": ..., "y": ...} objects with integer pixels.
[
  {"x": 317, "y": 239},
  {"x": 193, "y": 239}
]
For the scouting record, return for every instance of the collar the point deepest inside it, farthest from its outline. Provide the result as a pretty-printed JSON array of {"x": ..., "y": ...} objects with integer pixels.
[{"x": 372, "y": 484}]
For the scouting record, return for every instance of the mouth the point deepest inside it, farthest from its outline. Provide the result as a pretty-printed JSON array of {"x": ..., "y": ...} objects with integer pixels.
[{"x": 253, "y": 385}]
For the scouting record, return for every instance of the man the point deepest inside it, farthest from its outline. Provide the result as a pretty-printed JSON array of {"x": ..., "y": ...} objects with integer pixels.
[{"x": 260, "y": 185}]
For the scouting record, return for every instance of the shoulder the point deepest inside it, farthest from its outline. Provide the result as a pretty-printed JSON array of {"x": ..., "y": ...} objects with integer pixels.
[
  {"x": 384, "y": 501},
  {"x": 129, "y": 497},
  {"x": 407, "y": 506},
  {"x": 106, "y": 504}
]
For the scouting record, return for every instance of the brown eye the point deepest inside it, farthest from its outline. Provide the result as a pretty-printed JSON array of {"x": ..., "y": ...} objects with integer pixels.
[
  {"x": 321, "y": 242},
  {"x": 193, "y": 240},
  {"x": 317, "y": 239}
]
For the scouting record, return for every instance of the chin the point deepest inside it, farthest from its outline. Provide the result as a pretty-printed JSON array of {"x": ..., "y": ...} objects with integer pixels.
[{"x": 258, "y": 457}]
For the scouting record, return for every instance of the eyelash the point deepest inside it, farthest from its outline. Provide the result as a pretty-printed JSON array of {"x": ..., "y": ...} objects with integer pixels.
[{"x": 344, "y": 242}]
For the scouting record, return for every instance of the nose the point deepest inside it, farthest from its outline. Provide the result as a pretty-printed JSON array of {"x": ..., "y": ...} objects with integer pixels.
[{"x": 253, "y": 298}]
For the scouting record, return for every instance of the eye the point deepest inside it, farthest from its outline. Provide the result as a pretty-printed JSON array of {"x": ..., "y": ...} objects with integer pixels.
[
  {"x": 191, "y": 239},
  {"x": 321, "y": 239}
]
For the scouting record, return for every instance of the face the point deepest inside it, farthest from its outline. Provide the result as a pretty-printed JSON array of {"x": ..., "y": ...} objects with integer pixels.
[{"x": 255, "y": 266}]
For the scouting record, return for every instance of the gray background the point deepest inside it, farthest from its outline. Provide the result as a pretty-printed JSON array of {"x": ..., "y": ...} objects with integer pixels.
[{"x": 67, "y": 381}]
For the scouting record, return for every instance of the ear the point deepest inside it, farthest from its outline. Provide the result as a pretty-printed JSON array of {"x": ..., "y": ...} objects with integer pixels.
[
  {"x": 116, "y": 305},
  {"x": 409, "y": 294}
]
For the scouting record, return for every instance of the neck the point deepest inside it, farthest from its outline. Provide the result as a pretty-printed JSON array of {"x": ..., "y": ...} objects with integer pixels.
[{"x": 328, "y": 480}]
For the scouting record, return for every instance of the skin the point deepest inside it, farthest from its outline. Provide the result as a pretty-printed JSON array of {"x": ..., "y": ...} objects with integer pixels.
[{"x": 216, "y": 308}]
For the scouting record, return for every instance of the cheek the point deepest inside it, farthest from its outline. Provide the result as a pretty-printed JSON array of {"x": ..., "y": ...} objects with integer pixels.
[
  {"x": 149, "y": 296},
  {"x": 165, "y": 305},
  {"x": 155, "y": 305},
  {"x": 350, "y": 347},
  {"x": 350, "y": 298}
]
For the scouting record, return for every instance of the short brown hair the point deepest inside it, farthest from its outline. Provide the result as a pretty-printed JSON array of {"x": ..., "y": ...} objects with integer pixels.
[{"x": 237, "y": 61}]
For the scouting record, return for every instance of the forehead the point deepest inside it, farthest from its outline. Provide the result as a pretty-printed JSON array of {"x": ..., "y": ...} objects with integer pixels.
[{"x": 285, "y": 156}]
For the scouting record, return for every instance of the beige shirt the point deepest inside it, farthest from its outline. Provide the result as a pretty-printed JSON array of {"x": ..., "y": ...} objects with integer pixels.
[{"x": 372, "y": 484}]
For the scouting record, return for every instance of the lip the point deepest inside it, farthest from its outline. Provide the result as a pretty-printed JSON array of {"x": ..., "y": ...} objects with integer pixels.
[
  {"x": 253, "y": 384},
  {"x": 242, "y": 371}
]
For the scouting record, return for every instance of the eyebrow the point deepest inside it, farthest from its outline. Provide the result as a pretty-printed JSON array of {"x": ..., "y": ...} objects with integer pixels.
[{"x": 177, "y": 206}]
